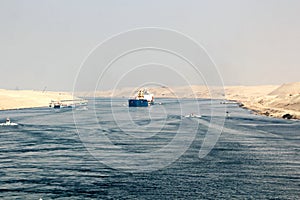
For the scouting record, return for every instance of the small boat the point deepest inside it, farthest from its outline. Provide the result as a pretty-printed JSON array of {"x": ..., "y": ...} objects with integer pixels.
[
  {"x": 68, "y": 103},
  {"x": 56, "y": 105},
  {"x": 227, "y": 114},
  {"x": 143, "y": 99},
  {"x": 8, "y": 123}
]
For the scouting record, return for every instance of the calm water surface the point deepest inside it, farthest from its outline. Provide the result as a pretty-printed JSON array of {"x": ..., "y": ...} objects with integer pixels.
[{"x": 255, "y": 158}]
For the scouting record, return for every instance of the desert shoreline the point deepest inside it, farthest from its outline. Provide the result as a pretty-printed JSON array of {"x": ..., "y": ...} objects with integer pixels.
[
  {"x": 24, "y": 99},
  {"x": 279, "y": 101}
]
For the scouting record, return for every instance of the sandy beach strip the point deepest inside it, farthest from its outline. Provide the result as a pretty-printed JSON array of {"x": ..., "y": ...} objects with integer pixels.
[{"x": 18, "y": 99}]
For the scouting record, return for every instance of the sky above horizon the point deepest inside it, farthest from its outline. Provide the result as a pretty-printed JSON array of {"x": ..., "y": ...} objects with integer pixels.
[{"x": 44, "y": 43}]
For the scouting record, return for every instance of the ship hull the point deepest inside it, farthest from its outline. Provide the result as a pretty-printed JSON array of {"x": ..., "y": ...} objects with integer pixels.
[{"x": 138, "y": 103}]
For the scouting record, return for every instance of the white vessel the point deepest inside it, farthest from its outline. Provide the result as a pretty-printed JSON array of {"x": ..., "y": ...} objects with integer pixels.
[{"x": 8, "y": 123}]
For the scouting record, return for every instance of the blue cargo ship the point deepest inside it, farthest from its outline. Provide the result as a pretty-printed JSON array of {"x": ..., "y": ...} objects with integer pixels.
[{"x": 143, "y": 99}]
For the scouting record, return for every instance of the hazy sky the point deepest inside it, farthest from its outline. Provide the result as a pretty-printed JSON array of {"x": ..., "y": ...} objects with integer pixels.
[{"x": 43, "y": 43}]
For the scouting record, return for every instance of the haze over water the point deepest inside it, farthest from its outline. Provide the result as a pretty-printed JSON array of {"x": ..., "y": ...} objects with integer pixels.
[{"x": 255, "y": 157}]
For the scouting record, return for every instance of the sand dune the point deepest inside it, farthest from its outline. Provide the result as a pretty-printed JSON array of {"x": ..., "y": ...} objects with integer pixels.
[
  {"x": 287, "y": 89},
  {"x": 16, "y": 99},
  {"x": 276, "y": 101}
]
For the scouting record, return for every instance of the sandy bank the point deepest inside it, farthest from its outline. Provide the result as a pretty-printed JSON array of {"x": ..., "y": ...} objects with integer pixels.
[
  {"x": 17, "y": 99},
  {"x": 276, "y": 101},
  {"x": 270, "y": 100}
]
